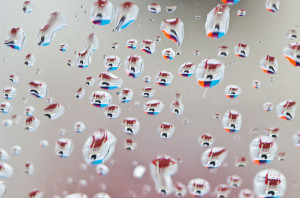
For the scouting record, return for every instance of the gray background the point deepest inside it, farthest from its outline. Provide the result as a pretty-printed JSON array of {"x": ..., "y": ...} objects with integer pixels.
[{"x": 262, "y": 30}]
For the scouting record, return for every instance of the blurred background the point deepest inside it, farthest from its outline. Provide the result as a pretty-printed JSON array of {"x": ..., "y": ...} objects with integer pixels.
[{"x": 264, "y": 32}]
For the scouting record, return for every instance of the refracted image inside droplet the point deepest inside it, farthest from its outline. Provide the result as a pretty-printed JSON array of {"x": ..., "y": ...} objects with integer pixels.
[
  {"x": 213, "y": 157},
  {"x": 100, "y": 99},
  {"x": 134, "y": 65},
  {"x": 186, "y": 69},
  {"x": 166, "y": 130},
  {"x": 206, "y": 140},
  {"x": 38, "y": 89},
  {"x": 230, "y": 2},
  {"x": 109, "y": 81},
  {"x": 63, "y": 147},
  {"x": 272, "y": 5},
  {"x": 210, "y": 72},
  {"x": 168, "y": 54},
  {"x": 84, "y": 58},
  {"x": 154, "y": 8},
  {"x": 131, "y": 44},
  {"x": 112, "y": 63},
  {"x": 246, "y": 193},
  {"x": 28, "y": 7},
  {"x": 232, "y": 121},
  {"x": 286, "y": 110},
  {"x": 148, "y": 46},
  {"x": 162, "y": 168},
  {"x": 241, "y": 12},
  {"x": 102, "y": 12},
  {"x": 126, "y": 95},
  {"x": 6, "y": 171},
  {"x": 30, "y": 60},
  {"x": 153, "y": 107},
  {"x": 173, "y": 29},
  {"x": 164, "y": 78},
  {"x": 198, "y": 187},
  {"x": 46, "y": 34},
  {"x": 112, "y": 111},
  {"x": 148, "y": 92},
  {"x": 269, "y": 183},
  {"x": 263, "y": 150},
  {"x": 242, "y": 50},
  {"x": 292, "y": 53},
  {"x": 16, "y": 38},
  {"x": 99, "y": 147},
  {"x": 223, "y": 190},
  {"x": 126, "y": 14},
  {"x": 54, "y": 111},
  {"x": 232, "y": 91},
  {"x": 9, "y": 93},
  {"x": 269, "y": 64},
  {"x": 217, "y": 21},
  {"x": 177, "y": 107}
]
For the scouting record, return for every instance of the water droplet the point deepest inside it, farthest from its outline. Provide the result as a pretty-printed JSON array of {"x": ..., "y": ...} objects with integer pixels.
[
  {"x": 46, "y": 34},
  {"x": 38, "y": 89},
  {"x": 148, "y": 46},
  {"x": 171, "y": 8},
  {"x": 112, "y": 63},
  {"x": 32, "y": 123},
  {"x": 198, "y": 187},
  {"x": 232, "y": 121},
  {"x": 131, "y": 44},
  {"x": 263, "y": 149},
  {"x": 269, "y": 64},
  {"x": 242, "y": 50},
  {"x": 210, "y": 72},
  {"x": 232, "y": 91},
  {"x": 130, "y": 144},
  {"x": 173, "y": 29},
  {"x": 130, "y": 126},
  {"x": 162, "y": 168},
  {"x": 134, "y": 65},
  {"x": 269, "y": 182},
  {"x": 109, "y": 81},
  {"x": 29, "y": 60},
  {"x": 102, "y": 169},
  {"x": 28, "y": 7},
  {"x": 291, "y": 34},
  {"x": 79, "y": 127},
  {"x": 230, "y": 2},
  {"x": 272, "y": 5},
  {"x": 126, "y": 14},
  {"x": 206, "y": 140},
  {"x": 241, "y": 12},
  {"x": 102, "y": 12},
  {"x": 112, "y": 111},
  {"x": 16, "y": 38},
  {"x": 213, "y": 157},
  {"x": 168, "y": 54},
  {"x": 166, "y": 130},
  {"x": 217, "y": 21},
  {"x": 63, "y": 47},
  {"x": 63, "y": 147},
  {"x": 223, "y": 51},
  {"x": 286, "y": 110},
  {"x": 84, "y": 58},
  {"x": 100, "y": 99},
  {"x": 99, "y": 147},
  {"x": 154, "y": 8}
]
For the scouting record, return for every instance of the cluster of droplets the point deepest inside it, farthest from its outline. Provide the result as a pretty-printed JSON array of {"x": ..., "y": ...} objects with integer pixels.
[{"x": 100, "y": 145}]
